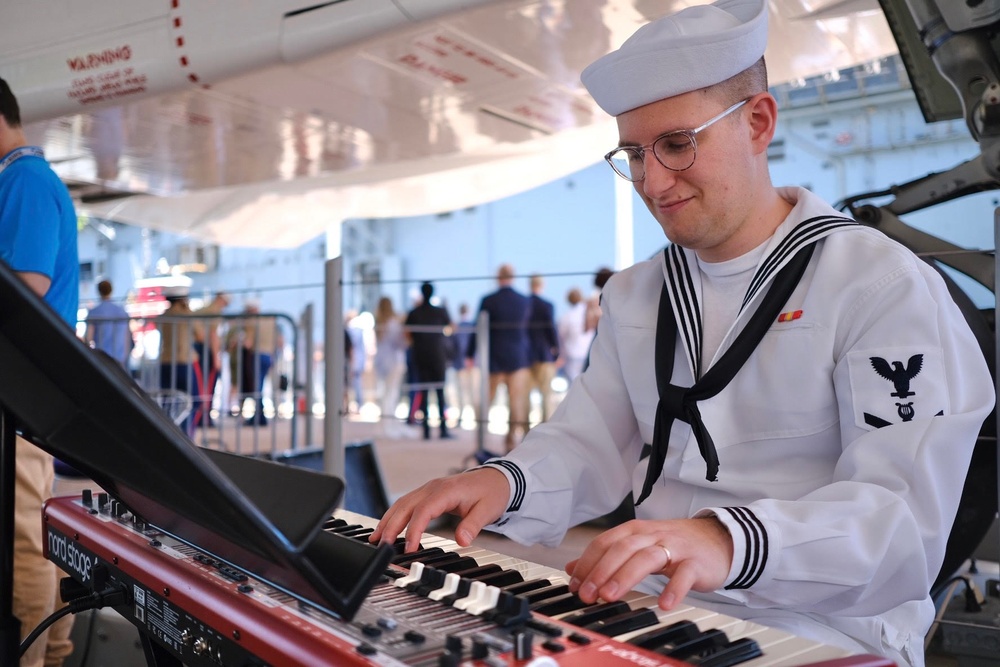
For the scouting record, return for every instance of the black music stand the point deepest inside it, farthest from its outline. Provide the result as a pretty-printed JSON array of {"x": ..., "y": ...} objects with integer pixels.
[{"x": 81, "y": 407}]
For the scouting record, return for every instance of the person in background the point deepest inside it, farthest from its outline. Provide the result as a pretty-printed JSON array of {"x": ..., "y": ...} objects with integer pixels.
[
  {"x": 509, "y": 364},
  {"x": 108, "y": 326},
  {"x": 792, "y": 397},
  {"x": 38, "y": 240},
  {"x": 427, "y": 327},
  {"x": 390, "y": 362},
  {"x": 574, "y": 338},
  {"x": 359, "y": 359},
  {"x": 208, "y": 347},
  {"x": 543, "y": 344},
  {"x": 180, "y": 372},
  {"x": 260, "y": 340},
  {"x": 594, "y": 300},
  {"x": 466, "y": 376}
]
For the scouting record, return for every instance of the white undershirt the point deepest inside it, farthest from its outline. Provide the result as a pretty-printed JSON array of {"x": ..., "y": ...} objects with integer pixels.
[{"x": 723, "y": 286}]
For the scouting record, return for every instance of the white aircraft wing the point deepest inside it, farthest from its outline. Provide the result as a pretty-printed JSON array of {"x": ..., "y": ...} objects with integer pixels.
[{"x": 263, "y": 123}]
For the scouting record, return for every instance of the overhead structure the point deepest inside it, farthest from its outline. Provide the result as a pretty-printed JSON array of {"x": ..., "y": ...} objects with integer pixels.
[{"x": 263, "y": 123}]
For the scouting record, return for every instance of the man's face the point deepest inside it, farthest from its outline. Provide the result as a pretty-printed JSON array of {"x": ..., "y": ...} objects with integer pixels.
[{"x": 703, "y": 207}]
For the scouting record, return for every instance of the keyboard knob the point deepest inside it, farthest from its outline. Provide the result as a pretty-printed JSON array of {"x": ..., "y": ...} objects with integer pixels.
[{"x": 523, "y": 644}]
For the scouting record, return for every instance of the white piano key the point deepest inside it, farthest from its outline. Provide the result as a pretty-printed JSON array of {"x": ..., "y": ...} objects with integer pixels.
[
  {"x": 416, "y": 571},
  {"x": 474, "y": 593},
  {"x": 780, "y": 648},
  {"x": 451, "y": 581},
  {"x": 487, "y": 600}
]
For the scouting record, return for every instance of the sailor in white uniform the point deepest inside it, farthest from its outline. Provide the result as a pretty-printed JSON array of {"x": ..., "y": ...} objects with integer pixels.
[{"x": 792, "y": 398}]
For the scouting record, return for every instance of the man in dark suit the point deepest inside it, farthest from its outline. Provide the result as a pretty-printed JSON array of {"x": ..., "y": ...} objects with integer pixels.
[
  {"x": 544, "y": 344},
  {"x": 509, "y": 364},
  {"x": 426, "y": 328}
]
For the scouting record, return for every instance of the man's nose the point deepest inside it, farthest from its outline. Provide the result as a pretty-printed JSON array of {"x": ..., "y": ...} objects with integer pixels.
[{"x": 658, "y": 178}]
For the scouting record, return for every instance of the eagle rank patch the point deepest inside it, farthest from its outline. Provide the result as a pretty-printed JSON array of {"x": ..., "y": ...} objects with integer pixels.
[{"x": 896, "y": 385}]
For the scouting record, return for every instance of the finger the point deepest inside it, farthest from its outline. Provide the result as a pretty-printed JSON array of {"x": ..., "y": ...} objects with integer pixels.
[
  {"x": 642, "y": 562},
  {"x": 391, "y": 524},
  {"x": 421, "y": 517},
  {"x": 592, "y": 555},
  {"x": 615, "y": 569},
  {"x": 479, "y": 516},
  {"x": 467, "y": 530},
  {"x": 679, "y": 586}
]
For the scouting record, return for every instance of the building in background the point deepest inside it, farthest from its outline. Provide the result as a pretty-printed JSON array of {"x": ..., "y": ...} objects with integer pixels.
[{"x": 859, "y": 130}]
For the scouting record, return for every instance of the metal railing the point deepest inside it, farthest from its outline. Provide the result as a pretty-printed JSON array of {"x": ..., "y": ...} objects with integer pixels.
[{"x": 225, "y": 394}]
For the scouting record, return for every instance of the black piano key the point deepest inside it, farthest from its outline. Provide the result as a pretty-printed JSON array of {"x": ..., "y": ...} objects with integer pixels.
[
  {"x": 596, "y": 613},
  {"x": 629, "y": 621},
  {"x": 502, "y": 578},
  {"x": 678, "y": 632},
  {"x": 430, "y": 580},
  {"x": 733, "y": 653},
  {"x": 399, "y": 546},
  {"x": 458, "y": 565},
  {"x": 547, "y": 592},
  {"x": 510, "y": 610},
  {"x": 357, "y": 533},
  {"x": 527, "y": 586},
  {"x": 346, "y": 528},
  {"x": 439, "y": 559},
  {"x": 330, "y": 524},
  {"x": 559, "y": 605},
  {"x": 462, "y": 591},
  {"x": 404, "y": 560},
  {"x": 704, "y": 643},
  {"x": 479, "y": 572}
]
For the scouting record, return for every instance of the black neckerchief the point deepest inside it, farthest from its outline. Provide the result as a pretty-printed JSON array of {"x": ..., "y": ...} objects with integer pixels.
[{"x": 682, "y": 402}]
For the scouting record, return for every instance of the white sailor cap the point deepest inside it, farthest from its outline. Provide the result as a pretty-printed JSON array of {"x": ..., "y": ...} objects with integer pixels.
[{"x": 695, "y": 48}]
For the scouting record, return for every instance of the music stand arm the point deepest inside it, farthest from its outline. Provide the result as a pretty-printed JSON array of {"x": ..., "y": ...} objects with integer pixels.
[{"x": 967, "y": 178}]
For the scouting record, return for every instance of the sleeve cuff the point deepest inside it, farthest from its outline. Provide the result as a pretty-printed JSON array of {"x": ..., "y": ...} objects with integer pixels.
[
  {"x": 750, "y": 544},
  {"x": 515, "y": 478}
]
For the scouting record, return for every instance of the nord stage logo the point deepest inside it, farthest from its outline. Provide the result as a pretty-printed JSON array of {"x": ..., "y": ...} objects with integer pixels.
[{"x": 69, "y": 556}]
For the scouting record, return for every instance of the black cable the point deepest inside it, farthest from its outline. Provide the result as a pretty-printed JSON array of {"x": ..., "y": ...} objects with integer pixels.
[
  {"x": 940, "y": 588},
  {"x": 847, "y": 202},
  {"x": 108, "y": 597}
]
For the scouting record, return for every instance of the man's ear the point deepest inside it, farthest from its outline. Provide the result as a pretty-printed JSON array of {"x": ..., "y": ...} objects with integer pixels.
[{"x": 763, "y": 120}]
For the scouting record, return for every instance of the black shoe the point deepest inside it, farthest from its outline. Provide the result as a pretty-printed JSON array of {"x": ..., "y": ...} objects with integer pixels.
[{"x": 447, "y": 436}]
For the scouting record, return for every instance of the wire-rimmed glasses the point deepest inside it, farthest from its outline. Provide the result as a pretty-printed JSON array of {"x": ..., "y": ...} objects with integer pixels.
[{"x": 675, "y": 150}]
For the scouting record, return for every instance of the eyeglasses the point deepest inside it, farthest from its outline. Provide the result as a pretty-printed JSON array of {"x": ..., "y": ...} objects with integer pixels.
[{"x": 674, "y": 150}]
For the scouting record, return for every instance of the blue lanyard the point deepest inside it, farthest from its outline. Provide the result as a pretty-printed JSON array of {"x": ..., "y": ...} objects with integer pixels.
[{"x": 19, "y": 153}]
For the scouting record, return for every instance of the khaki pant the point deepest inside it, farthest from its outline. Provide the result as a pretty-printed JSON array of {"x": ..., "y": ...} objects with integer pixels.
[
  {"x": 36, "y": 588},
  {"x": 468, "y": 390},
  {"x": 542, "y": 373},
  {"x": 517, "y": 397}
]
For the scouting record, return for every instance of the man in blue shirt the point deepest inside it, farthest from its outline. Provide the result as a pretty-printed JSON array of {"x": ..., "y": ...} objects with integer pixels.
[
  {"x": 38, "y": 240},
  {"x": 107, "y": 326}
]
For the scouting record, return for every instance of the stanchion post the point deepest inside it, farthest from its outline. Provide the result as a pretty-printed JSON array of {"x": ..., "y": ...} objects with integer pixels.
[{"x": 333, "y": 368}]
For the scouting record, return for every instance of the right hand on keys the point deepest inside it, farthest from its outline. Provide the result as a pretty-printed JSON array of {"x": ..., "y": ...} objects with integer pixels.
[{"x": 479, "y": 496}]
